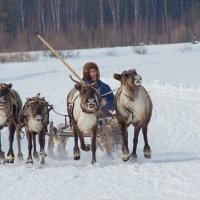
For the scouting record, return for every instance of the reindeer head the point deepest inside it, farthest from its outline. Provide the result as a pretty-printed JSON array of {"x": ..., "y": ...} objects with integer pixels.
[
  {"x": 38, "y": 108},
  {"x": 88, "y": 95},
  {"x": 129, "y": 78},
  {"x": 4, "y": 94}
]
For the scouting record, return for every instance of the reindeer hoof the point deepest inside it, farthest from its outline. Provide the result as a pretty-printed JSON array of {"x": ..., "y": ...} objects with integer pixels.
[
  {"x": 42, "y": 153},
  {"x": 93, "y": 162},
  {"x": 125, "y": 157},
  {"x": 76, "y": 155},
  {"x": 9, "y": 159},
  {"x": 20, "y": 156},
  {"x": 2, "y": 155},
  {"x": 133, "y": 157},
  {"x": 29, "y": 161},
  {"x": 35, "y": 155},
  {"x": 86, "y": 148},
  {"x": 147, "y": 152}
]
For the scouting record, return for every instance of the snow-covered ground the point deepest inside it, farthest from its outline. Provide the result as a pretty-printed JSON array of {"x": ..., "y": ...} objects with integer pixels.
[{"x": 171, "y": 75}]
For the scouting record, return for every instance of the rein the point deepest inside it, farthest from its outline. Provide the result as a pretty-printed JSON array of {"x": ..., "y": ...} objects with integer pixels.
[
  {"x": 63, "y": 115},
  {"x": 129, "y": 97},
  {"x": 109, "y": 92}
]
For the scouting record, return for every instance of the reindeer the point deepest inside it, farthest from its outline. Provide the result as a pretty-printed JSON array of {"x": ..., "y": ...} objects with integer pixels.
[
  {"x": 55, "y": 138},
  {"x": 35, "y": 116},
  {"x": 83, "y": 108},
  {"x": 133, "y": 106},
  {"x": 10, "y": 110}
]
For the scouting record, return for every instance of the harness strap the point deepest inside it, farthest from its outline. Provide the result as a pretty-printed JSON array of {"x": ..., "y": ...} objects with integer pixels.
[
  {"x": 71, "y": 115},
  {"x": 117, "y": 98}
]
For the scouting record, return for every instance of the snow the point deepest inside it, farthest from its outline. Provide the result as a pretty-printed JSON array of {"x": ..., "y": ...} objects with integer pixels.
[{"x": 171, "y": 74}]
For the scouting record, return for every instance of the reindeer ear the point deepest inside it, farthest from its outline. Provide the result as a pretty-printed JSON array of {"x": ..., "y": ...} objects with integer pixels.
[
  {"x": 10, "y": 85},
  {"x": 27, "y": 99},
  {"x": 117, "y": 77},
  {"x": 78, "y": 86}
]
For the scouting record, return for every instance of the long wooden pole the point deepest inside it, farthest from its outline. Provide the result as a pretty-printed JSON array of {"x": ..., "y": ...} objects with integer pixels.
[{"x": 57, "y": 55}]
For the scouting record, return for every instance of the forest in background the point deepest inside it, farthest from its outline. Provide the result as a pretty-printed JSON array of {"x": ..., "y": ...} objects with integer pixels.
[{"x": 74, "y": 24}]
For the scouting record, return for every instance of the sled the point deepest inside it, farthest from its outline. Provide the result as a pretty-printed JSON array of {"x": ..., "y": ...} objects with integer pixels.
[{"x": 108, "y": 135}]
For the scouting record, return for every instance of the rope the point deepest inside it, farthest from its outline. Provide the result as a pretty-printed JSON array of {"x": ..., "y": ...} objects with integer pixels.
[
  {"x": 109, "y": 92},
  {"x": 60, "y": 114}
]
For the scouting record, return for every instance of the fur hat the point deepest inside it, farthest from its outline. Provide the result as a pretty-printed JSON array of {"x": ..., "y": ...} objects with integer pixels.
[{"x": 86, "y": 69}]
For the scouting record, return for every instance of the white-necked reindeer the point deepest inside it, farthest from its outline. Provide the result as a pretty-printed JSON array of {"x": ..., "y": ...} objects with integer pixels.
[
  {"x": 10, "y": 110},
  {"x": 133, "y": 106},
  {"x": 35, "y": 116},
  {"x": 83, "y": 104}
]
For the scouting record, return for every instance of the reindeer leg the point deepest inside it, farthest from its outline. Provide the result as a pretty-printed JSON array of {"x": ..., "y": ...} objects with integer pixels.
[
  {"x": 10, "y": 155},
  {"x": 18, "y": 135},
  {"x": 125, "y": 150},
  {"x": 76, "y": 148},
  {"x": 93, "y": 146},
  {"x": 135, "y": 142},
  {"x": 84, "y": 147},
  {"x": 147, "y": 149},
  {"x": 50, "y": 146},
  {"x": 29, "y": 139},
  {"x": 41, "y": 137},
  {"x": 63, "y": 144},
  {"x": 2, "y": 154},
  {"x": 35, "y": 153}
]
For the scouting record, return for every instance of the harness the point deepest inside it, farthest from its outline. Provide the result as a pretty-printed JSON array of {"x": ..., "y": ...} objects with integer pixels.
[
  {"x": 71, "y": 107},
  {"x": 12, "y": 115},
  {"x": 117, "y": 97},
  {"x": 35, "y": 100}
]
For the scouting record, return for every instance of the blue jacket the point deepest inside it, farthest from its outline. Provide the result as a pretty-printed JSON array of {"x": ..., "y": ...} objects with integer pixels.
[{"x": 104, "y": 88}]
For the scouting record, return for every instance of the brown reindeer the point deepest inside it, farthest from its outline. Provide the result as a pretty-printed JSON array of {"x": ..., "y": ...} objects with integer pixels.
[
  {"x": 35, "y": 116},
  {"x": 133, "y": 106},
  {"x": 10, "y": 110},
  {"x": 83, "y": 108}
]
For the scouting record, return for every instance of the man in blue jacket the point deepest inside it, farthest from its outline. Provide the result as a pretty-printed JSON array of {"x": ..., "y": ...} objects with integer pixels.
[{"x": 91, "y": 74}]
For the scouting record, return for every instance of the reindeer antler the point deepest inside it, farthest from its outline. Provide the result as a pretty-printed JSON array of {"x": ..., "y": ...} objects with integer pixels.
[
  {"x": 74, "y": 79},
  {"x": 37, "y": 95}
]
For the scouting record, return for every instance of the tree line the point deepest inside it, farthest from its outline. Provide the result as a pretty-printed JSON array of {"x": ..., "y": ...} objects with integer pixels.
[{"x": 69, "y": 24}]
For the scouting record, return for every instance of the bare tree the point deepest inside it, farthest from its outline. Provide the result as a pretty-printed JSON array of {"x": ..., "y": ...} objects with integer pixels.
[
  {"x": 154, "y": 6},
  {"x": 40, "y": 14},
  {"x": 182, "y": 12},
  {"x": 166, "y": 21},
  {"x": 53, "y": 15},
  {"x": 136, "y": 13},
  {"x": 147, "y": 20},
  {"x": 127, "y": 32},
  {"x": 115, "y": 10},
  {"x": 55, "y": 9},
  {"x": 22, "y": 13},
  {"x": 101, "y": 21}
]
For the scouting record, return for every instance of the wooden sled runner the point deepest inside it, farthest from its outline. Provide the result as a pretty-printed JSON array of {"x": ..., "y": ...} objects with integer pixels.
[{"x": 108, "y": 136}]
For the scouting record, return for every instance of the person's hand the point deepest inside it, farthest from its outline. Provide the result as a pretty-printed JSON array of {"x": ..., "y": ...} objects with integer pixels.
[{"x": 103, "y": 103}]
